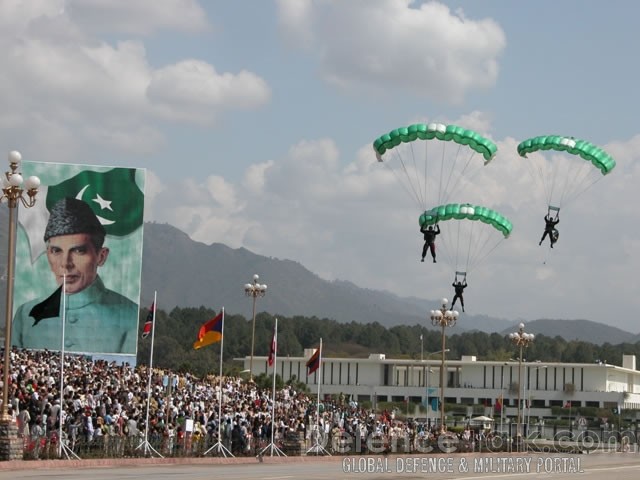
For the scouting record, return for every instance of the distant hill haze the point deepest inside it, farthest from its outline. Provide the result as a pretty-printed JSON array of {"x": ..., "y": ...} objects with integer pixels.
[
  {"x": 196, "y": 275},
  {"x": 187, "y": 273}
]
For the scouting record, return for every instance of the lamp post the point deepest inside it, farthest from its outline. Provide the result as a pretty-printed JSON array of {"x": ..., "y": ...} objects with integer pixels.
[
  {"x": 520, "y": 339},
  {"x": 13, "y": 189},
  {"x": 527, "y": 387},
  {"x": 426, "y": 383},
  {"x": 254, "y": 290},
  {"x": 502, "y": 406},
  {"x": 443, "y": 318}
]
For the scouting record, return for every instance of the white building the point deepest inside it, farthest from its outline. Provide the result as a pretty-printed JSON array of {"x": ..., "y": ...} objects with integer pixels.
[{"x": 469, "y": 381}]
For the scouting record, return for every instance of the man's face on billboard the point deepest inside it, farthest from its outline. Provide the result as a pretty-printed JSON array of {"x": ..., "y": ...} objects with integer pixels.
[{"x": 76, "y": 257}]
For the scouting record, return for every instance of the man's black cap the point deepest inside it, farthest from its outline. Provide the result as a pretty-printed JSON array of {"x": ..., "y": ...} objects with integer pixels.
[{"x": 70, "y": 216}]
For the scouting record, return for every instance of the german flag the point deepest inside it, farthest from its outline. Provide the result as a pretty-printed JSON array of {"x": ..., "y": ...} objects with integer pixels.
[{"x": 314, "y": 362}]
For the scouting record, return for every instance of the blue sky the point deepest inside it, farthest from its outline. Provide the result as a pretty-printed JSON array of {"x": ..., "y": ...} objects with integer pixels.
[{"x": 254, "y": 120}]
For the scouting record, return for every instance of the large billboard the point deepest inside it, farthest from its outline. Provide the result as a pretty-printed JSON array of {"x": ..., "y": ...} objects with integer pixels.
[{"x": 85, "y": 232}]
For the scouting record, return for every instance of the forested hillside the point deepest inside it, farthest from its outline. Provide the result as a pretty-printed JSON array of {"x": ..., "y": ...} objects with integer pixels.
[{"x": 176, "y": 332}]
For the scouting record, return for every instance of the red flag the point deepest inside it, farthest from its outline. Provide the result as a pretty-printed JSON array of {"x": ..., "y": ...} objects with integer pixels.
[
  {"x": 567, "y": 404},
  {"x": 314, "y": 362},
  {"x": 273, "y": 348},
  {"x": 148, "y": 325},
  {"x": 210, "y": 332},
  {"x": 499, "y": 404}
]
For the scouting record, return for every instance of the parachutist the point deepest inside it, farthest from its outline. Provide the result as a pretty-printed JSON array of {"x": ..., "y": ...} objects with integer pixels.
[
  {"x": 550, "y": 229},
  {"x": 429, "y": 235},
  {"x": 459, "y": 290}
]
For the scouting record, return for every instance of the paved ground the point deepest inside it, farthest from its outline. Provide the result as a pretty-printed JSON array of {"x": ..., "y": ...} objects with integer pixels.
[{"x": 597, "y": 466}]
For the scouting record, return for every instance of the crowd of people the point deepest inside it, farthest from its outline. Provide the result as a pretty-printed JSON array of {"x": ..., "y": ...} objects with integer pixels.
[{"x": 103, "y": 409}]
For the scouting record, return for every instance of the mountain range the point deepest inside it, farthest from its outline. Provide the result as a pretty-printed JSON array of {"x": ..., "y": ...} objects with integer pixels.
[
  {"x": 214, "y": 275},
  {"x": 187, "y": 273}
]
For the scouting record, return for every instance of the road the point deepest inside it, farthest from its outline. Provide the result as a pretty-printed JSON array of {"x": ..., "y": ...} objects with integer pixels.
[{"x": 597, "y": 466}]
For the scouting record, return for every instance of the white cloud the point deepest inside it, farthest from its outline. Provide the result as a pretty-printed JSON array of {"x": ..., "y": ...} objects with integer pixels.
[
  {"x": 296, "y": 21},
  {"x": 349, "y": 220},
  {"x": 196, "y": 85},
  {"x": 395, "y": 44},
  {"x": 59, "y": 76},
  {"x": 137, "y": 17}
]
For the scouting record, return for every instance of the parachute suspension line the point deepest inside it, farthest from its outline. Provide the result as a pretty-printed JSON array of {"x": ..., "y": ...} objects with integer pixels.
[
  {"x": 457, "y": 244},
  {"x": 453, "y": 191},
  {"x": 554, "y": 177},
  {"x": 466, "y": 268},
  {"x": 426, "y": 169},
  {"x": 399, "y": 181},
  {"x": 444, "y": 198},
  {"x": 418, "y": 180},
  {"x": 444, "y": 146},
  {"x": 583, "y": 178},
  {"x": 538, "y": 169},
  {"x": 572, "y": 173},
  {"x": 413, "y": 193},
  {"x": 537, "y": 175},
  {"x": 584, "y": 189},
  {"x": 481, "y": 246},
  {"x": 446, "y": 242},
  {"x": 481, "y": 259}
]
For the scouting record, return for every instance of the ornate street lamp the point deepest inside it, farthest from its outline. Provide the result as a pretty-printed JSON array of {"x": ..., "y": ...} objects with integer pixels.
[
  {"x": 443, "y": 318},
  {"x": 520, "y": 339},
  {"x": 14, "y": 188},
  {"x": 254, "y": 290},
  {"x": 426, "y": 382},
  {"x": 526, "y": 417}
]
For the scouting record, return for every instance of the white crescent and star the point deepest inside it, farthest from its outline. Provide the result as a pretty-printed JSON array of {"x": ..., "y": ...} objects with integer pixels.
[{"x": 104, "y": 205}]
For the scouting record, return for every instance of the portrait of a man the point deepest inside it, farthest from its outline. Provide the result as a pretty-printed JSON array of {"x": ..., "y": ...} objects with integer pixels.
[{"x": 97, "y": 319}]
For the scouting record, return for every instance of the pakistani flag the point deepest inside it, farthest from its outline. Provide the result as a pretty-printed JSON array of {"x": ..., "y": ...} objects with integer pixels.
[{"x": 113, "y": 196}]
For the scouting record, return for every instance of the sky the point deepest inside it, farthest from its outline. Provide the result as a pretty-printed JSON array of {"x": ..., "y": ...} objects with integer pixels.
[{"x": 255, "y": 121}]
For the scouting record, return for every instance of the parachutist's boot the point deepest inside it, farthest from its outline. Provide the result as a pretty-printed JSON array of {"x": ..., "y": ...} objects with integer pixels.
[
  {"x": 434, "y": 260},
  {"x": 422, "y": 259}
]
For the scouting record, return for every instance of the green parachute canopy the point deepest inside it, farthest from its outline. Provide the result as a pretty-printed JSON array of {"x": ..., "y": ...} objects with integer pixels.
[
  {"x": 433, "y": 162},
  {"x": 469, "y": 233},
  {"x": 587, "y": 151},
  {"x": 422, "y": 131},
  {"x": 466, "y": 211},
  {"x": 566, "y": 166}
]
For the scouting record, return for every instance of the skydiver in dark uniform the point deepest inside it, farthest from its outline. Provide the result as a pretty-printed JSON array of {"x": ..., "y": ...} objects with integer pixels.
[
  {"x": 429, "y": 235},
  {"x": 459, "y": 289},
  {"x": 550, "y": 229}
]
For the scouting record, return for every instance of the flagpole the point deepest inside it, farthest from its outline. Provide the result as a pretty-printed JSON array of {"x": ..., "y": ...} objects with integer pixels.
[
  {"x": 61, "y": 446},
  {"x": 319, "y": 381},
  {"x": 317, "y": 448},
  {"x": 145, "y": 333},
  {"x": 318, "y": 402},
  {"x": 273, "y": 350},
  {"x": 153, "y": 334},
  {"x": 64, "y": 318},
  {"x": 220, "y": 382},
  {"x": 273, "y": 390},
  {"x": 218, "y": 446}
]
